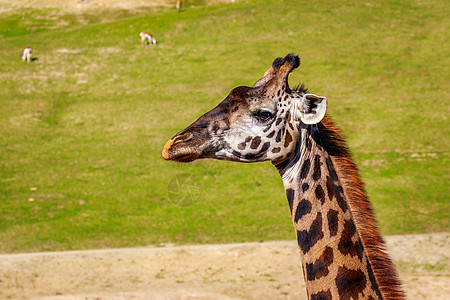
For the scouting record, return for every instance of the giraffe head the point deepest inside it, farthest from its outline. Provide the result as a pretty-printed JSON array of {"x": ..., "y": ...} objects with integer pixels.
[{"x": 252, "y": 124}]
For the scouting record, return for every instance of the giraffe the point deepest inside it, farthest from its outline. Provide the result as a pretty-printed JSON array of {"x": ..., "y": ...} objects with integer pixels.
[{"x": 342, "y": 252}]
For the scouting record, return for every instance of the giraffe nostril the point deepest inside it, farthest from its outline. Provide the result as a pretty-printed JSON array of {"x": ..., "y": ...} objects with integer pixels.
[
  {"x": 185, "y": 137},
  {"x": 167, "y": 152}
]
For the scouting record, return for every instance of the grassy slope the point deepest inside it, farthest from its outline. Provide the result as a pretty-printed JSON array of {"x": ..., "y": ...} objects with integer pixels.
[{"x": 82, "y": 137}]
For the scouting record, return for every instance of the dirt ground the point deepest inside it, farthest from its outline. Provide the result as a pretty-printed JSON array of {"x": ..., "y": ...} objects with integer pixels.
[
  {"x": 79, "y": 6},
  {"x": 269, "y": 270}
]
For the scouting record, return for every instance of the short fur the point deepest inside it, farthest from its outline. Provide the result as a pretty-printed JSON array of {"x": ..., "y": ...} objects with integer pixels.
[{"x": 366, "y": 225}]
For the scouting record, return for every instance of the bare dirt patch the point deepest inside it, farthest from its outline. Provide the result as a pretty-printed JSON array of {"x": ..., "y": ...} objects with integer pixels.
[
  {"x": 77, "y": 6},
  {"x": 268, "y": 270},
  {"x": 67, "y": 51}
]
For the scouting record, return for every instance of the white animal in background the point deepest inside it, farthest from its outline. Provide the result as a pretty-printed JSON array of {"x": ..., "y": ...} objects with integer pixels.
[
  {"x": 147, "y": 38},
  {"x": 26, "y": 56}
]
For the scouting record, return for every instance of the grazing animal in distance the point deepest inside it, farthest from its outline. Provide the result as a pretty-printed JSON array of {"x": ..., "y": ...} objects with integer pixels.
[
  {"x": 147, "y": 38},
  {"x": 27, "y": 51},
  {"x": 342, "y": 252}
]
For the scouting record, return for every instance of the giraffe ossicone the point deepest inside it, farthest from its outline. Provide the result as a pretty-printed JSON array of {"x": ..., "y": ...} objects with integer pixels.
[{"x": 342, "y": 252}]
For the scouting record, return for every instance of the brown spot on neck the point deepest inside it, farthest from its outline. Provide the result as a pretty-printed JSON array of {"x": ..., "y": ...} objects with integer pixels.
[{"x": 350, "y": 283}]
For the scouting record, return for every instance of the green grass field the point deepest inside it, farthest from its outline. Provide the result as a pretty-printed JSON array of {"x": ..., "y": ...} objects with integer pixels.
[{"x": 82, "y": 127}]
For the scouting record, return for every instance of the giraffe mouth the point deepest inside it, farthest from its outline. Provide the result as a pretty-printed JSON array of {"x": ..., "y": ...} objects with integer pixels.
[
  {"x": 185, "y": 158},
  {"x": 180, "y": 155}
]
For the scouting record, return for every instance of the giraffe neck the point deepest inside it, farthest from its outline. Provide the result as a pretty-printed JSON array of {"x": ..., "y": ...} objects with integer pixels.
[{"x": 334, "y": 256}]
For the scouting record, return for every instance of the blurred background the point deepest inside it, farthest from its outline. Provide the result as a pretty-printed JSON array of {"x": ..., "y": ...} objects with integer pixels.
[{"x": 83, "y": 124}]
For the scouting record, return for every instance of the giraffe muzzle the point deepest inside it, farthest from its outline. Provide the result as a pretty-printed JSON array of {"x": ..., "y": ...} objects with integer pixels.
[{"x": 175, "y": 150}]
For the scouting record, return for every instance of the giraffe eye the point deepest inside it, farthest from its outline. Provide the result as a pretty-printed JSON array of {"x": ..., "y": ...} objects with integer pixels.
[{"x": 264, "y": 116}]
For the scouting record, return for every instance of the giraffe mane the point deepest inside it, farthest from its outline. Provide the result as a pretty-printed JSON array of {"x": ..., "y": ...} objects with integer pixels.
[
  {"x": 358, "y": 201},
  {"x": 301, "y": 88}
]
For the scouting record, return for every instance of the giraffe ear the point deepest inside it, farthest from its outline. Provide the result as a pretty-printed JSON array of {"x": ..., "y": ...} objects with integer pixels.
[{"x": 309, "y": 109}]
